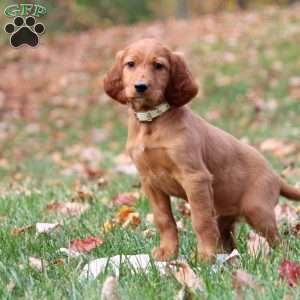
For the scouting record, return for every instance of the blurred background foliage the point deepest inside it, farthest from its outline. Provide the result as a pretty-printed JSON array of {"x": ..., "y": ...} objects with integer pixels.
[{"x": 70, "y": 15}]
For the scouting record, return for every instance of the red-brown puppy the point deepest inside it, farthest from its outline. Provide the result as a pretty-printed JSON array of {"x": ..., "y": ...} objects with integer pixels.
[{"x": 179, "y": 154}]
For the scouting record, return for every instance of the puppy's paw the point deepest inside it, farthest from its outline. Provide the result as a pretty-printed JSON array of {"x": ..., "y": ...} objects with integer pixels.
[
  {"x": 207, "y": 256},
  {"x": 164, "y": 254}
]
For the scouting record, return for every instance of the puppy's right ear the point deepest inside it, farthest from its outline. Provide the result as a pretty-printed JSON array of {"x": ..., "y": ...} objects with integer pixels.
[{"x": 112, "y": 82}]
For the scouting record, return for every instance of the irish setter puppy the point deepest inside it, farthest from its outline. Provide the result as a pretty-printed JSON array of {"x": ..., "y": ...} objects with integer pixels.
[{"x": 179, "y": 154}]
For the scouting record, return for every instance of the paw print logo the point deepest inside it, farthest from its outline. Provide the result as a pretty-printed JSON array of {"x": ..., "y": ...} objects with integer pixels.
[{"x": 24, "y": 32}]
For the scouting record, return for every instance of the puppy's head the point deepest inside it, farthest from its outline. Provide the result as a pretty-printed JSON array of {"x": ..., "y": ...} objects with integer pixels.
[{"x": 147, "y": 73}]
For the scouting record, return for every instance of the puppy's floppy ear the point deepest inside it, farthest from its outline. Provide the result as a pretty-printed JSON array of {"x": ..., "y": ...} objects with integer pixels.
[
  {"x": 112, "y": 82},
  {"x": 181, "y": 87}
]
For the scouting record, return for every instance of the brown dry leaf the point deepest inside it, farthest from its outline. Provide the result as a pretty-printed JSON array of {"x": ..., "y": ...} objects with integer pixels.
[
  {"x": 184, "y": 208},
  {"x": 108, "y": 226},
  {"x": 123, "y": 214},
  {"x": 257, "y": 244},
  {"x": 129, "y": 198},
  {"x": 148, "y": 233},
  {"x": 36, "y": 263},
  {"x": 102, "y": 181},
  {"x": 285, "y": 213},
  {"x": 127, "y": 216},
  {"x": 133, "y": 219},
  {"x": 109, "y": 289},
  {"x": 19, "y": 230},
  {"x": 11, "y": 285},
  {"x": 83, "y": 194},
  {"x": 240, "y": 280},
  {"x": 67, "y": 208},
  {"x": 59, "y": 262},
  {"x": 85, "y": 245},
  {"x": 187, "y": 277},
  {"x": 277, "y": 147}
]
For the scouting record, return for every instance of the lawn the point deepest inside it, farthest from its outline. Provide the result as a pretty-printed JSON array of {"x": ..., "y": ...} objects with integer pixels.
[{"x": 59, "y": 134}]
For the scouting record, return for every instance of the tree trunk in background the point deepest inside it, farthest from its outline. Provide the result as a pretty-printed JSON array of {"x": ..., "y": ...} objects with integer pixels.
[
  {"x": 242, "y": 4},
  {"x": 181, "y": 9}
]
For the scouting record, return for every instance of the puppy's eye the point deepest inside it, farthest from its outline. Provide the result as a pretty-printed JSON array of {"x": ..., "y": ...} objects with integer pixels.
[
  {"x": 158, "y": 66},
  {"x": 130, "y": 64}
]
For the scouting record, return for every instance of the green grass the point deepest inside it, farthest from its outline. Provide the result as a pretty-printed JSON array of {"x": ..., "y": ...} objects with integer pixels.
[{"x": 31, "y": 178}]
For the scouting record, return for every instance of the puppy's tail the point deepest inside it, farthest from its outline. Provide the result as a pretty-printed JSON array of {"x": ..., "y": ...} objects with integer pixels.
[{"x": 289, "y": 191}]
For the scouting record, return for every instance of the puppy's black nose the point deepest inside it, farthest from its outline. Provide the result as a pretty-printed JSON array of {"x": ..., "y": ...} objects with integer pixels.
[{"x": 140, "y": 86}]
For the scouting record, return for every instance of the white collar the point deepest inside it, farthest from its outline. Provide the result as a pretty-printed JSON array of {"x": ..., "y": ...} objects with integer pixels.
[{"x": 149, "y": 115}]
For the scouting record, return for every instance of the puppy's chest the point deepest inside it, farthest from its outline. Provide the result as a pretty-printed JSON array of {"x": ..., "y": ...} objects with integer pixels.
[
  {"x": 154, "y": 165},
  {"x": 148, "y": 159}
]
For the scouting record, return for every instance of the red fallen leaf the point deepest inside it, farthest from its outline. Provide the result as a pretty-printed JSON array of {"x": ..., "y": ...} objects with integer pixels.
[
  {"x": 126, "y": 198},
  {"x": 296, "y": 229},
  {"x": 289, "y": 271},
  {"x": 85, "y": 245}
]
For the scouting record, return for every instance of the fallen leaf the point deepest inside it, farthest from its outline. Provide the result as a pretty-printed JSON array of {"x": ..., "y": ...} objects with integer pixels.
[
  {"x": 11, "y": 285},
  {"x": 109, "y": 289},
  {"x": 59, "y": 262},
  {"x": 150, "y": 218},
  {"x": 184, "y": 208},
  {"x": 296, "y": 229},
  {"x": 85, "y": 245},
  {"x": 241, "y": 279},
  {"x": 133, "y": 219},
  {"x": 277, "y": 147},
  {"x": 69, "y": 252},
  {"x": 137, "y": 263},
  {"x": 128, "y": 169},
  {"x": 108, "y": 226},
  {"x": 67, "y": 208},
  {"x": 124, "y": 165},
  {"x": 101, "y": 182},
  {"x": 83, "y": 194},
  {"x": 148, "y": 233},
  {"x": 285, "y": 213},
  {"x": 19, "y": 230},
  {"x": 127, "y": 216},
  {"x": 46, "y": 227},
  {"x": 91, "y": 155},
  {"x": 123, "y": 214},
  {"x": 36, "y": 263},
  {"x": 228, "y": 258},
  {"x": 187, "y": 277},
  {"x": 257, "y": 244},
  {"x": 126, "y": 198},
  {"x": 290, "y": 272}
]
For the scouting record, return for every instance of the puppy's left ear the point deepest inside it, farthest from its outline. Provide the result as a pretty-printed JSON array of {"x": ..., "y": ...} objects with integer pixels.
[
  {"x": 182, "y": 87},
  {"x": 113, "y": 83}
]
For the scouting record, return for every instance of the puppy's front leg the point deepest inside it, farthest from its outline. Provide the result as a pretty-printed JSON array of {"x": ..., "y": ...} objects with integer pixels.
[
  {"x": 163, "y": 219},
  {"x": 198, "y": 187}
]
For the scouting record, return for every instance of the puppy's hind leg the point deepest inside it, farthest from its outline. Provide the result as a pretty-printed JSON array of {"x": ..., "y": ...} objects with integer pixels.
[{"x": 258, "y": 209}]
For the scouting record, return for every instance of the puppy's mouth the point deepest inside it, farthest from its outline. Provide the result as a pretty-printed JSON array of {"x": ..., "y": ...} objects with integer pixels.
[{"x": 138, "y": 99}]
